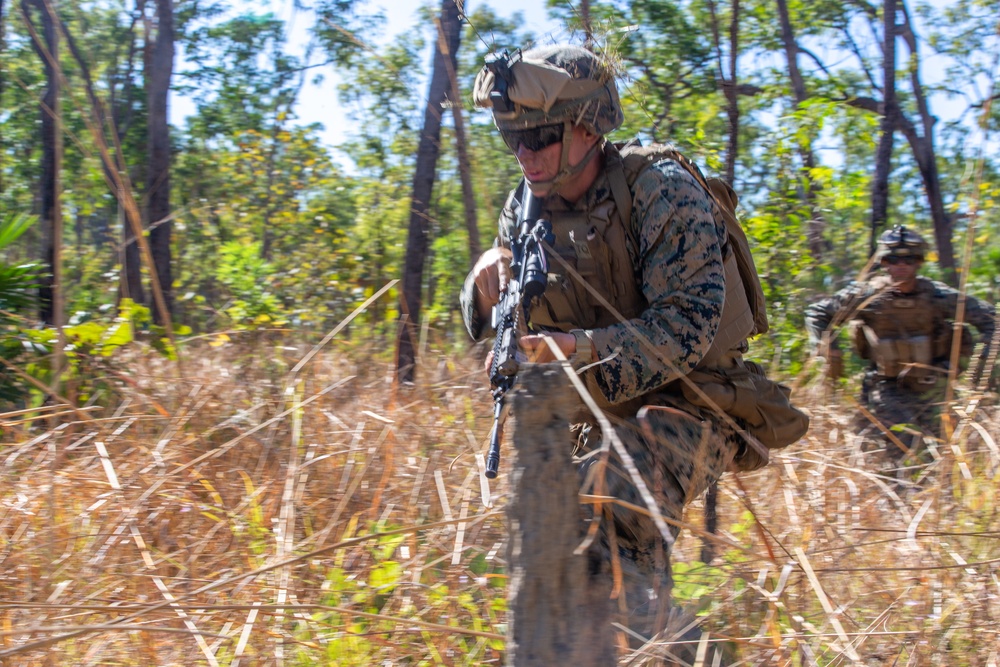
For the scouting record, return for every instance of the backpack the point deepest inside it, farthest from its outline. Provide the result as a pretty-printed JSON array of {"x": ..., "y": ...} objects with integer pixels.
[
  {"x": 635, "y": 158},
  {"x": 743, "y": 391}
]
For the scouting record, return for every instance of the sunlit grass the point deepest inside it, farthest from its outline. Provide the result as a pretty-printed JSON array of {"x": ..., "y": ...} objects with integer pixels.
[{"x": 327, "y": 518}]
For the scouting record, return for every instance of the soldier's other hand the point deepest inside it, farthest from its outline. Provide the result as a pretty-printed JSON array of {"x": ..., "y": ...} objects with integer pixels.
[
  {"x": 491, "y": 274},
  {"x": 538, "y": 351}
]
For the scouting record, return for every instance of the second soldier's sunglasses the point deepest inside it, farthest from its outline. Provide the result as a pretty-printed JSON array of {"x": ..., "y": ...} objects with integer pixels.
[
  {"x": 896, "y": 259},
  {"x": 533, "y": 138}
]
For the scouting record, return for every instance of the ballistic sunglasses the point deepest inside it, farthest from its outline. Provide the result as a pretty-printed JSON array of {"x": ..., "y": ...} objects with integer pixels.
[
  {"x": 534, "y": 138},
  {"x": 896, "y": 259}
]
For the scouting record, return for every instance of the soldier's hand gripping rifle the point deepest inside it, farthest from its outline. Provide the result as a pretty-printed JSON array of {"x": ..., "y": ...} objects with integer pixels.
[{"x": 529, "y": 273}]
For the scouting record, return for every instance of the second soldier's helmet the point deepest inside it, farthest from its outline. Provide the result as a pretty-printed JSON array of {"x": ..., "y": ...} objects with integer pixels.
[
  {"x": 901, "y": 242},
  {"x": 548, "y": 85}
]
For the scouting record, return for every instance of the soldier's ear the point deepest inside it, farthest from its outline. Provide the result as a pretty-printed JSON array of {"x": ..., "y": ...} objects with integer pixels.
[{"x": 587, "y": 136}]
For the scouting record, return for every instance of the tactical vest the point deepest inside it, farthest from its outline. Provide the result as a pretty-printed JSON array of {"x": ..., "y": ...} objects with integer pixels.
[
  {"x": 896, "y": 330},
  {"x": 599, "y": 245}
]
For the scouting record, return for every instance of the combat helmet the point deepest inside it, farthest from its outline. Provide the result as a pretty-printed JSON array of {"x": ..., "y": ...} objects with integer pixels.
[
  {"x": 901, "y": 242},
  {"x": 538, "y": 95}
]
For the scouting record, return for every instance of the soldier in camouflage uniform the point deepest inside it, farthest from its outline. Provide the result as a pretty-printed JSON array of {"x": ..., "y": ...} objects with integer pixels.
[
  {"x": 903, "y": 324},
  {"x": 646, "y": 237}
]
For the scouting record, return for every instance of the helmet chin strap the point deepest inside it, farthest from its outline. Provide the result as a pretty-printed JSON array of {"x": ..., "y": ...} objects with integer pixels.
[{"x": 566, "y": 172}]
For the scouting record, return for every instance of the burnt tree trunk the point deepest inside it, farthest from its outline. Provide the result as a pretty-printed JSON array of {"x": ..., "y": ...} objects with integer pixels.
[
  {"x": 883, "y": 154},
  {"x": 560, "y": 611},
  {"x": 161, "y": 67},
  {"x": 462, "y": 150},
  {"x": 130, "y": 284},
  {"x": 424, "y": 174},
  {"x": 46, "y": 45}
]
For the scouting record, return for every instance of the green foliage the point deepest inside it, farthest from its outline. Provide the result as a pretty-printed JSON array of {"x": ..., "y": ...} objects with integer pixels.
[
  {"x": 17, "y": 297},
  {"x": 92, "y": 348},
  {"x": 249, "y": 279},
  {"x": 247, "y": 177},
  {"x": 694, "y": 581}
]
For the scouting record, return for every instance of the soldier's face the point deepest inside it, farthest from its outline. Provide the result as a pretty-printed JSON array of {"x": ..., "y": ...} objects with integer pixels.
[
  {"x": 901, "y": 270},
  {"x": 543, "y": 165}
]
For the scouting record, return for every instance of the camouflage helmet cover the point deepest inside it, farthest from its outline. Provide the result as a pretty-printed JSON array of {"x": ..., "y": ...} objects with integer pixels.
[
  {"x": 901, "y": 241},
  {"x": 553, "y": 84}
]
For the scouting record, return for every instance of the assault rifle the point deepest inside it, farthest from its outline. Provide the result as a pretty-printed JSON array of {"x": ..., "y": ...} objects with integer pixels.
[{"x": 529, "y": 271}]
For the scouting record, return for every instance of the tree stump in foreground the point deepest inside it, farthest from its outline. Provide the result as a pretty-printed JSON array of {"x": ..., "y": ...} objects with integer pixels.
[{"x": 560, "y": 611}]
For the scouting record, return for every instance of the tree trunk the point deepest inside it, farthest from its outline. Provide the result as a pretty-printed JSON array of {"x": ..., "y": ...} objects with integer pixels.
[
  {"x": 560, "y": 607},
  {"x": 883, "y": 155},
  {"x": 131, "y": 277},
  {"x": 130, "y": 284},
  {"x": 161, "y": 66},
  {"x": 428, "y": 151},
  {"x": 3, "y": 79},
  {"x": 728, "y": 84},
  {"x": 731, "y": 90},
  {"x": 923, "y": 151},
  {"x": 588, "y": 29},
  {"x": 733, "y": 108},
  {"x": 461, "y": 148},
  {"x": 809, "y": 189},
  {"x": 46, "y": 45}
]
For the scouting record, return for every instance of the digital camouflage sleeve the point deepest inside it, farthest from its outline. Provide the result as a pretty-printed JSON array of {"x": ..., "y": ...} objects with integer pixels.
[
  {"x": 835, "y": 309},
  {"x": 679, "y": 264}
]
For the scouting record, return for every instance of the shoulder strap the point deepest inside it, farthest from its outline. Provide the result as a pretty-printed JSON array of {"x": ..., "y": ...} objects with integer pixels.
[
  {"x": 620, "y": 187},
  {"x": 636, "y": 159}
]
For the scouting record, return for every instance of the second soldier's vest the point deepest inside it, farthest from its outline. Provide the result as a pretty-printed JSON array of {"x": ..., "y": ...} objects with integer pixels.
[
  {"x": 599, "y": 245},
  {"x": 896, "y": 330}
]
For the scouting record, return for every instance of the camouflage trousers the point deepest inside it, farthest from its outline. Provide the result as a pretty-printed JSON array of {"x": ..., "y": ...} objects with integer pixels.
[
  {"x": 677, "y": 456},
  {"x": 908, "y": 413}
]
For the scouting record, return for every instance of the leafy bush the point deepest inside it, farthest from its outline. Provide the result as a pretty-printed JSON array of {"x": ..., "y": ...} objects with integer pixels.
[{"x": 17, "y": 296}]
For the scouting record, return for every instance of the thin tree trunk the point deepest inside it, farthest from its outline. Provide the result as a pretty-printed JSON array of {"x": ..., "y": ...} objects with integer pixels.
[
  {"x": 731, "y": 90},
  {"x": 131, "y": 277},
  {"x": 728, "y": 84},
  {"x": 424, "y": 174},
  {"x": 130, "y": 282},
  {"x": 809, "y": 190},
  {"x": 733, "y": 147},
  {"x": 923, "y": 151},
  {"x": 461, "y": 148},
  {"x": 883, "y": 155},
  {"x": 158, "y": 211},
  {"x": 560, "y": 607}
]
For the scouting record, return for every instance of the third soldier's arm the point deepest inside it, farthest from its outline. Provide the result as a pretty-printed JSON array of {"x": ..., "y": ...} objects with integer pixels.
[{"x": 980, "y": 315}]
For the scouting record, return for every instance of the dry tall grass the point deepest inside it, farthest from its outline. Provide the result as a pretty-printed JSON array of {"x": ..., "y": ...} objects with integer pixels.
[{"x": 240, "y": 514}]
